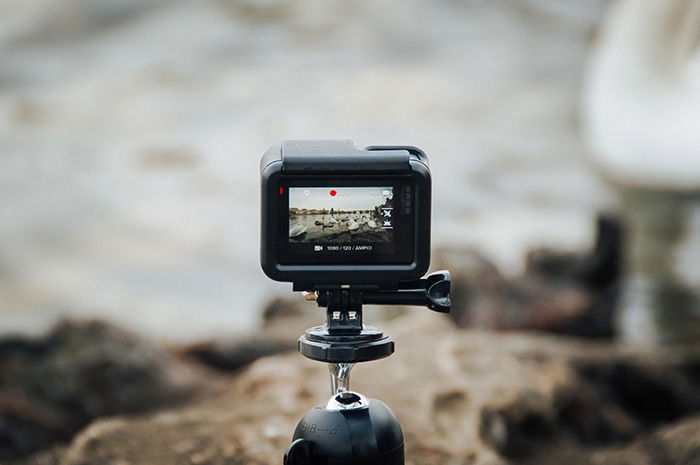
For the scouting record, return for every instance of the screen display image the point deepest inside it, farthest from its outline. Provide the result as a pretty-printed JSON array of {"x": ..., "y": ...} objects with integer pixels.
[{"x": 341, "y": 215}]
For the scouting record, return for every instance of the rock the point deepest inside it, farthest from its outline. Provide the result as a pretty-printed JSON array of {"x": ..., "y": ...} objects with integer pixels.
[
  {"x": 558, "y": 292},
  {"x": 596, "y": 269},
  {"x": 478, "y": 289},
  {"x": 677, "y": 444},
  {"x": 283, "y": 321},
  {"x": 52, "y": 386},
  {"x": 289, "y": 317},
  {"x": 463, "y": 397},
  {"x": 236, "y": 355}
]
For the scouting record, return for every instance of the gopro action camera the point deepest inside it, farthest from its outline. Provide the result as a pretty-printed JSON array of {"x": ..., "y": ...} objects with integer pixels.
[{"x": 334, "y": 215}]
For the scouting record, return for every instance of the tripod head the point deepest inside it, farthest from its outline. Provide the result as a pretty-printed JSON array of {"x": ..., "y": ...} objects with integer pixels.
[{"x": 350, "y": 429}]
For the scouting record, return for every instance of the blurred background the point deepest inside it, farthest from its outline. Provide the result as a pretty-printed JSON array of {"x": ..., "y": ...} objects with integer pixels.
[
  {"x": 564, "y": 148},
  {"x": 131, "y": 133}
]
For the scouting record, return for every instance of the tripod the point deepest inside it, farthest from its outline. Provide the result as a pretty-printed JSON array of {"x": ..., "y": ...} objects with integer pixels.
[{"x": 351, "y": 429}]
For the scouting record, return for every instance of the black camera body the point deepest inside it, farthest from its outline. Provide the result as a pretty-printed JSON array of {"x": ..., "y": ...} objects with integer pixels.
[{"x": 337, "y": 216}]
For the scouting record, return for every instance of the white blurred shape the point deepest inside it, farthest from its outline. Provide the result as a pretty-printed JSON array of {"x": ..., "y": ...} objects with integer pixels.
[
  {"x": 642, "y": 102},
  {"x": 642, "y": 122}
]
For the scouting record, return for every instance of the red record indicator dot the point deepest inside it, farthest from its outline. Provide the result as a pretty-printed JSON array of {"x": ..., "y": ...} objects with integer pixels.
[{"x": 333, "y": 192}]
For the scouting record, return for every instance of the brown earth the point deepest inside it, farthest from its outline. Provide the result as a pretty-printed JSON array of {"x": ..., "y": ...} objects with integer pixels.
[{"x": 462, "y": 396}]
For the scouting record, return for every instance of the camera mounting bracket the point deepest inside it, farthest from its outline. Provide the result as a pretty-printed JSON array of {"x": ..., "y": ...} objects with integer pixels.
[{"x": 345, "y": 339}]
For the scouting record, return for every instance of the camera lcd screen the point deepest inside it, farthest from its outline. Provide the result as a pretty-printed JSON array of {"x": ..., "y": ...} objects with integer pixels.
[{"x": 348, "y": 224}]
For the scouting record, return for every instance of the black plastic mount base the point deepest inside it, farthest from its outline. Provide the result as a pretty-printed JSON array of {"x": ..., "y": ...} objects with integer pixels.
[
  {"x": 344, "y": 339},
  {"x": 369, "y": 344}
]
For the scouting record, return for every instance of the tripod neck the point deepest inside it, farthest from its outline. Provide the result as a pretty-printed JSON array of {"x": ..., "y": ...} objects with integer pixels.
[{"x": 340, "y": 377}]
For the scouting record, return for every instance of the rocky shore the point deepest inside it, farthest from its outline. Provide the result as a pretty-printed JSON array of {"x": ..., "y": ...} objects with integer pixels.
[
  {"x": 463, "y": 397},
  {"x": 470, "y": 388}
]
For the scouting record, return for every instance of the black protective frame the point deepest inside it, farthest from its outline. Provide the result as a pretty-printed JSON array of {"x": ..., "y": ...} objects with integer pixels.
[{"x": 293, "y": 161}]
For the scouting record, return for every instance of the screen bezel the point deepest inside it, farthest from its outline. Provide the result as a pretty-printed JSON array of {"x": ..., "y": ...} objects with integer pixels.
[
  {"x": 307, "y": 277},
  {"x": 402, "y": 252}
]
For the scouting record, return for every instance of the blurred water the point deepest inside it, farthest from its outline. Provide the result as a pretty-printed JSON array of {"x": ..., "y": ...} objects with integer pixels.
[{"x": 131, "y": 133}]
